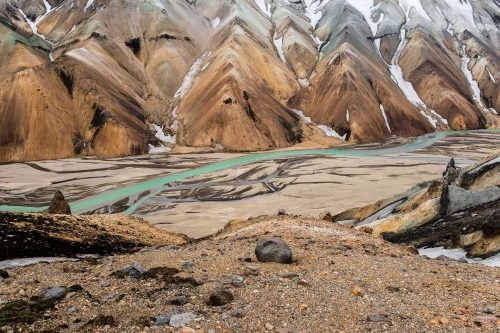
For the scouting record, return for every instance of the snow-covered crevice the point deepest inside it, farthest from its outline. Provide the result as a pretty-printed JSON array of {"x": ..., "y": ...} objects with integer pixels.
[
  {"x": 164, "y": 138},
  {"x": 187, "y": 82},
  {"x": 476, "y": 96},
  {"x": 331, "y": 132},
  {"x": 347, "y": 115},
  {"x": 491, "y": 76},
  {"x": 385, "y": 118},
  {"x": 417, "y": 5},
  {"x": 278, "y": 42},
  {"x": 215, "y": 22},
  {"x": 438, "y": 116},
  {"x": 333, "y": 59}
]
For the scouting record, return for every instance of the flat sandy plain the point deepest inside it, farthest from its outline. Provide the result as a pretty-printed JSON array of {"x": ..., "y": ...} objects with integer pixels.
[{"x": 202, "y": 204}]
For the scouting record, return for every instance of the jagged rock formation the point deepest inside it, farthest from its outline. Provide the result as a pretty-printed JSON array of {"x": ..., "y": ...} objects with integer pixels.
[
  {"x": 458, "y": 210},
  {"x": 92, "y": 77}
]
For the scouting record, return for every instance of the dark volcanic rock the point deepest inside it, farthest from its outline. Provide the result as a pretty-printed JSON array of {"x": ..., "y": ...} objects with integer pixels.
[
  {"x": 102, "y": 320},
  {"x": 273, "y": 249},
  {"x": 59, "y": 204}
]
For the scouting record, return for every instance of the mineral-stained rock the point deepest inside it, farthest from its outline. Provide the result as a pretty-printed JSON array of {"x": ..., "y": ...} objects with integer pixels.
[
  {"x": 59, "y": 204},
  {"x": 273, "y": 249}
]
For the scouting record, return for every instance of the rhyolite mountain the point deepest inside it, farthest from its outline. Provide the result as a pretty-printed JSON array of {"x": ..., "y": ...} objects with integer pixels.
[{"x": 105, "y": 77}]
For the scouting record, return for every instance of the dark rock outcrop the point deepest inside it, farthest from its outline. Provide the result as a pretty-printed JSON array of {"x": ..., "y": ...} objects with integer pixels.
[{"x": 59, "y": 204}]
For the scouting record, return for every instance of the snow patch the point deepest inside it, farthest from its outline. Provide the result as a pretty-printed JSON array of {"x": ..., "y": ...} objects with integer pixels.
[
  {"x": 300, "y": 113},
  {"x": 159, "y": 150},
  {"x": 304, "y": 83},
  {"x": 162, "y": 137},
  {"x": 330, "y": 132},
  {"x": 187, "y": 82},
  {"x": 347, "y": 115},
  {"x": 491, "y": 76},
  {"x": 458, "y": 254},
  {"x": 439, "y": 117},
  {"x": 215, "y": 22},
  {"x": 385, "y": 118},
  {"x": 366, "y": 8},
  {"x": 87, "y": 6},
  {"x": 464, "y": 9},
  {"x": 407, "y": 5},
  {"x": 431, "y": 120},
  {"x": 263, "y": 7}
]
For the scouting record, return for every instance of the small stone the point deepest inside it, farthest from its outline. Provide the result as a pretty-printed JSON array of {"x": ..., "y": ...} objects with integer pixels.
[
  {"x": 178, "y": 320},
  {"x": 174, "y": 247},
  {"x": 311, "y": 241},
  {"x": 273, "y": 249},
  {"x": 303, "y": 306},
  {"x": 187, "y": 264},
  {"x": 357, "y": 292},
  {"x": 288, "y": 275},
  {"x": 236, "y": 326},
  {"x": 375, "y": 317},
  {"x": 485, "y": 319},
  {"x": 303, "y": 283},
  {"x": 269, "y": 327},
  {"x": 393, "y": 288},
  {"x": 412, "y": 249},
  {"x": 204, "y": 254},
  {"x": 238, "y": 313},
  {"x": 489, "y": 309},
  {"x": 4, "y": 274},
  {"x": 281, "y": 212},
  {"x": 178, "y": 300},
  {"x": 245, "y": 259},
  {"x": 326, "y": 216},
  {"x": 368, "y": 230},
  {"x": 290, "y": 330},
  {"x": 53, "y": 292},
  {"x": 219, "y": 296},
  {"x": 190, "y": 330},
  {"x": 182, "y": 275},
  {"x": 165, "y": 319},
  {"x": 136, "y": 270},
  {"x": 102, "y": 320},
  {"x": 106, "y": 284},
  {"x": 436, "y": 321}
]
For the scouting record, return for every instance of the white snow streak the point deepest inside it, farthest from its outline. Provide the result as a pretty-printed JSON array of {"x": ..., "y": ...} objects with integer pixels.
[
  {"x": 159, "y": 150},
  {"x": 439, "y": 117},
  {"x": 473, "y": 83},
  {"x": 187, "y": 82},
  {"x": 429, "y": 118},
  {"x": 279, "y": 45},
  {"x": 491, "y": 76},
  {"x": 330, "y": 132},
  {"x": 333, "y": 59},
  {"x": 303, "y": 82},
  {"x": 215, "y": 22},
  {"x": 87, "y": 6},
  {"x": 307, "y": 120},
  {"x": 347, "y": 115},
  {"x": 385, "y": 118}
]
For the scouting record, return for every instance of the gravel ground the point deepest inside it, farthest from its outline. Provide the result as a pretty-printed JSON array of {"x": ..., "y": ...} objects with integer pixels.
[{"x": 341, "y": 280}]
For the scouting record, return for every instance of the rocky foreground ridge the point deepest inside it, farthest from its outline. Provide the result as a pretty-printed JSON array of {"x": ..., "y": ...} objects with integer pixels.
[
  {"x": 339, "y": 280},
  {"x": 110, "y": 77}
]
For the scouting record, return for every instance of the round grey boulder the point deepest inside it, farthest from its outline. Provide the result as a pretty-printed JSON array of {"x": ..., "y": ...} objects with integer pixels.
[{"x": 273, "y": 249}]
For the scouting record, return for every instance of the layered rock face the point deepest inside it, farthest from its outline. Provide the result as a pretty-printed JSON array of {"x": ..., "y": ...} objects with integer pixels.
[{"x": 103, "y": 77}]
